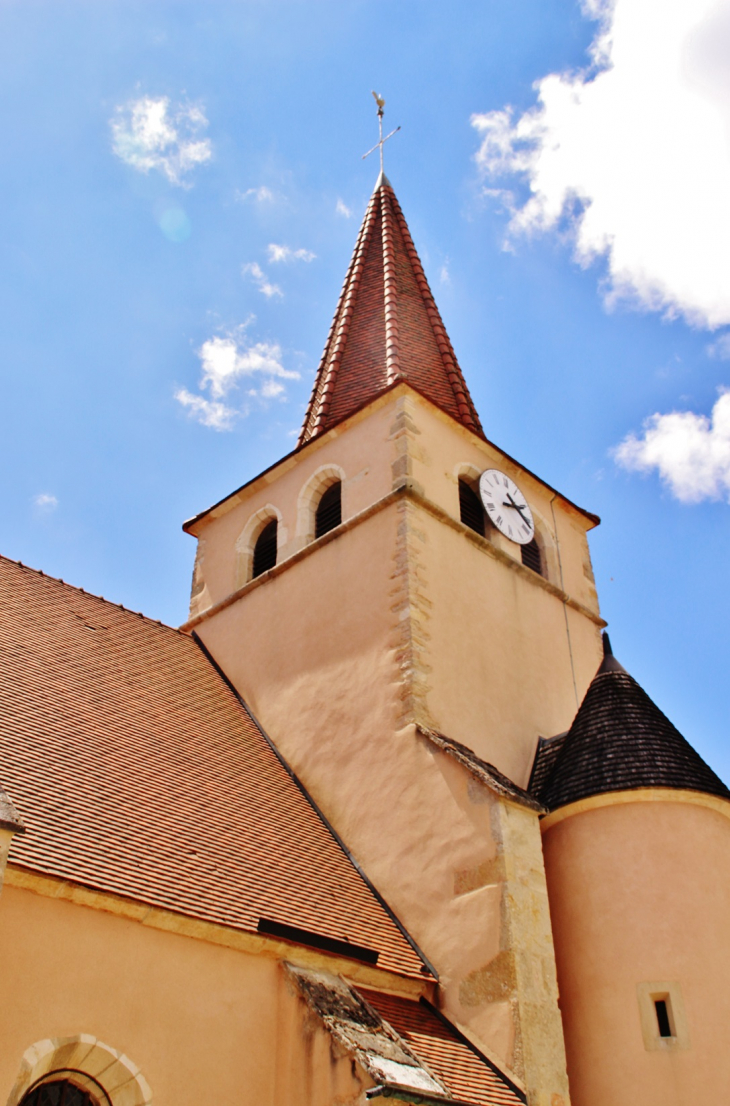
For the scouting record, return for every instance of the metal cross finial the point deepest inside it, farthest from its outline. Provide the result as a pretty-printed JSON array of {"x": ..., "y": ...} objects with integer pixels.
[{"x": 381, "y": 104}]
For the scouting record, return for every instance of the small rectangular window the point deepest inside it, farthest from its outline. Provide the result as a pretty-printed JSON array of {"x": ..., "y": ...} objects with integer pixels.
[
  {"x": 662, "y": 1015},
  {"x": 661, "y": 1005}
]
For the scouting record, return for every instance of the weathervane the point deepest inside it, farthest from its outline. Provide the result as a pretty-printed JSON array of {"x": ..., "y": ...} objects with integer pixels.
[{"x": 381, "y": 104}]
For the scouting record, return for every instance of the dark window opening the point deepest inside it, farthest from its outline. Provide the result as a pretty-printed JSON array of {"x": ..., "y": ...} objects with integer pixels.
[
  {"x": 329, "y": 510},
  {"x": 471, "y": 511},
  {"x": 317, "y": 940},
  {"x": 531, "y": 557},
  {"x": 662, "y": 1017},
  {"x": 58, "y": 1093},
  {"x": 264, "y": 553}
]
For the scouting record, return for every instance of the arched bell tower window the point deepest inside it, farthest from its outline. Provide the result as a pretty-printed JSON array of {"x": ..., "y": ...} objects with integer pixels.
[
  {"x": 329, "y": 510},
  {"x": 58, "y": 1092},
  {"x": 264, "y": 552},
  {"x": 471, "y": 511},
  {"x": 532, "y": 557}
]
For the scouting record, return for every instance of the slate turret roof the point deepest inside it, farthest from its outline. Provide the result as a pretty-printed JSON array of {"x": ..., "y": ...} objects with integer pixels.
[
  {"x": 619, "y": 741},
  {"x": 386, "y": 328}
]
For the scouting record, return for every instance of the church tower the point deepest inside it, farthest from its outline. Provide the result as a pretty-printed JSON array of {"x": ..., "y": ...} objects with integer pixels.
[{"x": 404, "y": 652}]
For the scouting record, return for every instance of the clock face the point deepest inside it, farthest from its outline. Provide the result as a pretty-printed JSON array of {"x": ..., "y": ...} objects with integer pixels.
[{"x": 506, "y": 506}]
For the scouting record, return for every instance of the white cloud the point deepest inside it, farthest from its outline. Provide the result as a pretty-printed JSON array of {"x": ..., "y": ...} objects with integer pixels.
[
  {"x": 260, "y": 279},
  {"x": 444, "y": 275},
  {"x": 206, "y": 411},
  {"x": 690, "y": 452},
  {"x": 261, "y": 194},
  {"x": 286, "y": 253},
  {"x": 272, "y": 389},
  {"x": 151, "y": 133},
  {"x": 720, "y": 348},
  {"x": 45, "y": 502},
  {"x": 632, "y": 155},
  {"x": 226, "y": 361},
  {"x": 341, "y": 208}
]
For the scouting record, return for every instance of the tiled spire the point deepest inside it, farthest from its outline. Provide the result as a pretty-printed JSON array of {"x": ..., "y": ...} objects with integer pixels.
[
  {"x": 386, "y": 328},
  {"x": 619, "y": 741}
]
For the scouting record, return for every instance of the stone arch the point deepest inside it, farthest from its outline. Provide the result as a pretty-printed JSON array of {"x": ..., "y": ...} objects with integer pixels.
[
  {"x": 310, "y": 495},
  {"x": 466, "y": 471},
  {"x": 247, "y": 540},
  {"x": 103, "y": 1071}
]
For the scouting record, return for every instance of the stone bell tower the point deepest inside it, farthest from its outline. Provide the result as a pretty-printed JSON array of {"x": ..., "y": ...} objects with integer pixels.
[{"x": 403, "y": 653}]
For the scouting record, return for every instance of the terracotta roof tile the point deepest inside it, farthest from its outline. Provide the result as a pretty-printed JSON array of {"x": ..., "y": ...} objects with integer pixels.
[
  {"x": 137, "y": 771},
  {"x": 386, "y": 328},
  {"x": 463, "y": 1070}
]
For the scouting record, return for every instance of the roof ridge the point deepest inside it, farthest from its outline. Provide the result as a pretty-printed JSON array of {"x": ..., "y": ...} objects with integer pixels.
[
  {"x": 92, "y": 595},
  {"x": 392, "y": 332},
  {"x": 339, "y": 329},
  {"x": 446, "y": 350},
  {"x": 481, "y": 769}
]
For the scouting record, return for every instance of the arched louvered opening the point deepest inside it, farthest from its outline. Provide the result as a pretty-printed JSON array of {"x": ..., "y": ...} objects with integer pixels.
[
  {"x": 329, "y": 510},
  {"x": 471, "y": 511},
  {"x": 532, "y": 558},
  {"x": 264, "y": 552},
  {"x": 58, "y": 1092}
]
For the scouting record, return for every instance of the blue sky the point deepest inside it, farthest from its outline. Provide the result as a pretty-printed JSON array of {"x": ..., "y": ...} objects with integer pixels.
[{"x": 183, "y": 184}]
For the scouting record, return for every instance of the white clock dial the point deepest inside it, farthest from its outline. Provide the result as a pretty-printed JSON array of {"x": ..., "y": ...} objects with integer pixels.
[{"x": 506, "y": 506}]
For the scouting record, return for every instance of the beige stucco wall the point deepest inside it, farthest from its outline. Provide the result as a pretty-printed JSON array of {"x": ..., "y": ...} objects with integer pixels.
[
  {"x": 404, "y": 616},
  {"x": 640, "y": 892},
  {"x": 202, "y": 1023}
]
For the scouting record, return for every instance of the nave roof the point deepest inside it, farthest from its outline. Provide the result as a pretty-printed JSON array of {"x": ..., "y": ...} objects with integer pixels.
[{"x": 138, "y": 772}]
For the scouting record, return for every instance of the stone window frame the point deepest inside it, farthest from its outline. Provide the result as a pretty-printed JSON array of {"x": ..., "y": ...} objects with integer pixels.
[
  {"x": 308, "y": 501},
  {"x": 648, "y": 994},
  {"x": 248, "y": 537},
  {"x": 103, "y": 1071}
]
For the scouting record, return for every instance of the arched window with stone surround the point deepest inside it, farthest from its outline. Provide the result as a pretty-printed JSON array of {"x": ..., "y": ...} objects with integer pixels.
[
  {"x": 55, "y": 1072},
  {"x": 329, "y": 510},
  {"x": 320, "y": 506},
  {"x": 265, "y": 549}
]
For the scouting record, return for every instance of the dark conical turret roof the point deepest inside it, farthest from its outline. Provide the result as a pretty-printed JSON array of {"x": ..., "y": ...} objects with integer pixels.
[
  {"x": 619, "y": 741},
  {"x": 386, "y": 328}
]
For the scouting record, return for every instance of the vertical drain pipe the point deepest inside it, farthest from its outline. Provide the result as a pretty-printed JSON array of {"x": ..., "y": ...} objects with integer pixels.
[{"x": 565, "y": 605}]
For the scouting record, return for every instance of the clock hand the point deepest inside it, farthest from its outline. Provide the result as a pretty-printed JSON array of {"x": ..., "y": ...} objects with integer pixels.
[{"x": 515, "y": 506}]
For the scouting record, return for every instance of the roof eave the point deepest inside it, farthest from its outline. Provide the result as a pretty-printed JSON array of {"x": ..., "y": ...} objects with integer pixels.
[{"x": 190, "y": 524}]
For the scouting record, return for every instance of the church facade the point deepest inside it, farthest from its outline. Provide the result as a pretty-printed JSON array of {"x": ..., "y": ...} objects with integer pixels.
[{"x": 385, "y": 817}]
